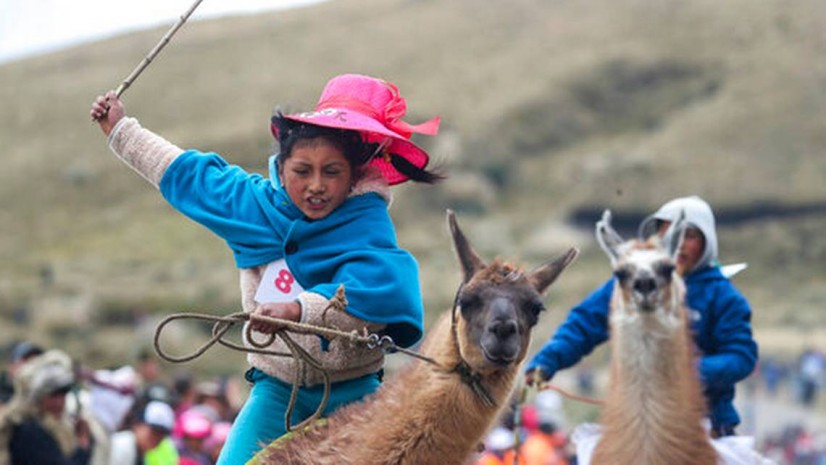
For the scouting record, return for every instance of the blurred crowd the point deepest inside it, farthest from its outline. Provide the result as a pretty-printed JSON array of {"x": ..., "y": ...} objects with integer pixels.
[
  {"x": 802, "y": 379},
  {"x": 54, "y": 411},
  {"x": 805, "y": 376},
  {"x": 795, "y": 445},
  {"x": 529, "y": 434}
]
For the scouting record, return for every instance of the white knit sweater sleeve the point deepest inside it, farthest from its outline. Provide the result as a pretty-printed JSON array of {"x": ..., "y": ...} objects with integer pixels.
[
  {"x": 144, "y": 151},
  {"x": 315, "y": 311}
]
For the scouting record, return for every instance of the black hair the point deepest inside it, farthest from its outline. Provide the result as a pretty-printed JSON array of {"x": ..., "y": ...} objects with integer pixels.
[
  {"x": 547, "y": 427},
  {"x": 356, "y": 150},
  {"x": 413, "y": 172},
  {"x": 289, "y": 132}
]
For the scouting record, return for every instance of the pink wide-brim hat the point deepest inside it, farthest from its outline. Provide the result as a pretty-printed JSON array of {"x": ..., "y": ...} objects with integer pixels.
[
  {"x": 193, "y": 425},
  {"x": 374, "y": 108}
]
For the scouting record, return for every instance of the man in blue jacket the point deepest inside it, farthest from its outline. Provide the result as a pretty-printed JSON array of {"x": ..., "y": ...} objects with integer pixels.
[{"x": 721, "y": 316}]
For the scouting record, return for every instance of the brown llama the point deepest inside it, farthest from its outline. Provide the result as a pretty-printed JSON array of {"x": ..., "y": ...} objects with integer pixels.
[
  {"x": 654, "y": 408},
  {"x": 437, "y": 413}
]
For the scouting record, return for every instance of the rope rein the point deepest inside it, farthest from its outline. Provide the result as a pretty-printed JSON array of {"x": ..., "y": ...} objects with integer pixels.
[
  {"x": 570, "y": 395},
  {"x": 223, "y": 324},
  {"x": 519, "y": 402}
]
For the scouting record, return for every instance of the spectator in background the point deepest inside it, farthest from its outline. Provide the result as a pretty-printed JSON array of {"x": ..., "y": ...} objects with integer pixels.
[
  {"x": 545, "y": 445},
  {"x": 34, "y": 429},
  {"x": 773, "y": 372},
  {"x": 150, "y": 428},
  {"x": 20, "y": 353},
  {"x": 112, "y": 395},
  {"x": 211, "y": 402},
  {"x": 147, "y": 367},
  {"x": 194, "y": 429},
  {"x": 216, "y": 440},
  {"x": 812, "y": 366},
  {"x": 149, "y": 382},
  {"x": 184, "y": 390},
  {"x": 549, "y": 409},
  {"x": 165, "y": 452},
  {"x": 499, "y": 450},
  {"x": 585, "y": 379},
  {"x": 154, "y": 392}
]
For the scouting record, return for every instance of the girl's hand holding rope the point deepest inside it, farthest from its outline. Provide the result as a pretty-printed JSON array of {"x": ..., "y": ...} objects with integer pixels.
[
  {"x": 107, "y": 110},
  {"x": 290, "y": 311}
]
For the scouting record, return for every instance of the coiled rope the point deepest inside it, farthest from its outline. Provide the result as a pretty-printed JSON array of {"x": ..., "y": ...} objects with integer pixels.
[{"x": 223, "y": 324}]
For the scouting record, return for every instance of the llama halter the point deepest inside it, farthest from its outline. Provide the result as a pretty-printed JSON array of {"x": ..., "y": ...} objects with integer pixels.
[{"x": 468, "y": 376}]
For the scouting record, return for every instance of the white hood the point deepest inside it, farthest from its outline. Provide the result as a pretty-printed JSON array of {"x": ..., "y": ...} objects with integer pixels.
[{"x": 698, "y": 215}]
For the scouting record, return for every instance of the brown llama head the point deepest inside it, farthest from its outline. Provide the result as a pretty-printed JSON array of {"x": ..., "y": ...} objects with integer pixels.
[
  {"x": 644, "y": 270},
  {"x": 497, "y": 305}
]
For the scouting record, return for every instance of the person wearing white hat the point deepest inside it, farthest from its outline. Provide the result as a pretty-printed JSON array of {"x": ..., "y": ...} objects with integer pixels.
[
  {"x": 34, "y": 429},
  {"x": 153, "y": 425},
  {"x": 499, "y": 447}
]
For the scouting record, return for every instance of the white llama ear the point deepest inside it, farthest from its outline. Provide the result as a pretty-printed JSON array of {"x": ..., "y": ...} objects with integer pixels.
[
  {"x": 470, "y": 262},
  {"x": 607, "y": 237},
  {"x": 674, "y": 235},
  {"x": 546, "y": 274}
]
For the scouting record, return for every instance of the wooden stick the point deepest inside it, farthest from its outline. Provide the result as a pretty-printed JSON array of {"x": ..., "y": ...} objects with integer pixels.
[{"x": 155, "y": 51}]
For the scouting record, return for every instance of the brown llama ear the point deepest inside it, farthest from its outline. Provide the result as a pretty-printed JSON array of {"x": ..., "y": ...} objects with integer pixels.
[
  {"x": 470, "y": 262},
  {"x": 546, "y": 274}
]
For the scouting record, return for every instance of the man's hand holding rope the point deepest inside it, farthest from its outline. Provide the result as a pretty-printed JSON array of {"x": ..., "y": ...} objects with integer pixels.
[{"x": 536, "y": 377}]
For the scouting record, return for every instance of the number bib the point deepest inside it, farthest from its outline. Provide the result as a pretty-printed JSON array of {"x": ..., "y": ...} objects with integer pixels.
[{"x": 278, "y": 284}]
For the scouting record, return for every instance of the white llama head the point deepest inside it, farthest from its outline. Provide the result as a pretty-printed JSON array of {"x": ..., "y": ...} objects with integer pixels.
[{"x": 644, "y": 269}]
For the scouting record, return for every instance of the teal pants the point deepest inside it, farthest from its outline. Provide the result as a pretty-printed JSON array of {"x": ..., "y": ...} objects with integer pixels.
[{"x": 261, "y": 419}]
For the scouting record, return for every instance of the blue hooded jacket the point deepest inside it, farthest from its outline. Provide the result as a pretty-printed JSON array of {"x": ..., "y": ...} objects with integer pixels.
[
  {"x": 355, "y": 245},
  {"x": 720, "y": 322}
]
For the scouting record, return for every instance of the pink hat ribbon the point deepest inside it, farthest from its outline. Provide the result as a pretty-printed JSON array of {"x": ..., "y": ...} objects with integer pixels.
[{"x": 394, "y": 110}]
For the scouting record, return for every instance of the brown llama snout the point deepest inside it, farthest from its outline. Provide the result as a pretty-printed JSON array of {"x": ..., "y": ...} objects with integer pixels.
[{"x": 502, "y": 339}]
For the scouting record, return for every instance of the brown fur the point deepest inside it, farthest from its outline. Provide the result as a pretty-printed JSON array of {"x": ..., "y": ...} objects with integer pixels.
[
  {"x": 422, "y": 416},
  {"x": 426, "y": 414}
]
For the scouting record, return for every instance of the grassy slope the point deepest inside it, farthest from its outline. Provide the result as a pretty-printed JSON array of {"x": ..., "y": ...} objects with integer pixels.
[{"x": 546, "y": 106}]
